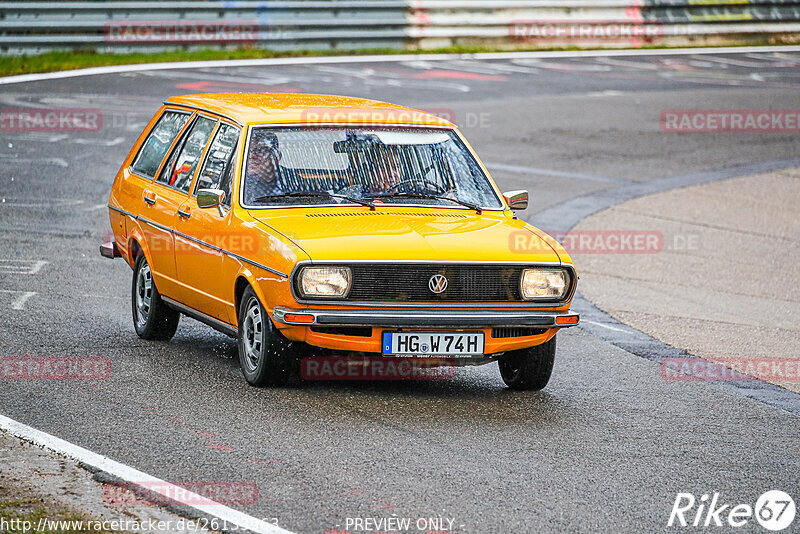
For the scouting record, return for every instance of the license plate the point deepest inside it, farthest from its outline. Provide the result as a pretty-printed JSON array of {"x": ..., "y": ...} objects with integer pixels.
[{"x": 433, "y": 343}]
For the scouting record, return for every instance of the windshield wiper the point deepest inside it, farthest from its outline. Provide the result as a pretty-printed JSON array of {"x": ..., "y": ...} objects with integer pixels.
[
  {"x": 315, "y": 194},
  {"x": 411, "y": 194}
]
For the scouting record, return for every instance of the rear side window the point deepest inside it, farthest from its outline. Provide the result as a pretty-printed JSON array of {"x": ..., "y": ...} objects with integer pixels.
[
  {"x": 180, "y": 167},
  {"x": 158, "y": 142},
  {"x": 219, "y": 155}
]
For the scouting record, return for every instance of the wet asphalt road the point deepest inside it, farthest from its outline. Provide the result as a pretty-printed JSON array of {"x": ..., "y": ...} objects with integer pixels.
[{"x": 606, "y": 447}]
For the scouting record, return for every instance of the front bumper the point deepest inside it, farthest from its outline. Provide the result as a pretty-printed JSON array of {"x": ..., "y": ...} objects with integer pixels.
[{"x": 425, "y": 318}]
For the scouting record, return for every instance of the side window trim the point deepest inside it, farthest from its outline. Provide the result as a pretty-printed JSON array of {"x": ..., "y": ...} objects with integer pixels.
[
  {"x": 149, "y": 133},
  {"x": 222, "y": 121},
  {"x": 180, "y": 140},
  {"x": 240, "y": 185},
  {"x": 228, "y": 202},
  {"x": 231, "y": 167},
  {"x": 204, "y": 154},
  {"x": 176, "y": 146}
]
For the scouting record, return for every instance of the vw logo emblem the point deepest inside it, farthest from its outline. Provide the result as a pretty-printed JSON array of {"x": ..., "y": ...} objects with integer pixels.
[{"x": 437, "y": 283}]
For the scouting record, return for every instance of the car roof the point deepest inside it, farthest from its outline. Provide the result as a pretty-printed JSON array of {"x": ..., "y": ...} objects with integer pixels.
[{"x": 280, "y": 108}]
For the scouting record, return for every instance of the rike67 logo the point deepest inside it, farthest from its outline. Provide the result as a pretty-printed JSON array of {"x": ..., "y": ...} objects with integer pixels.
[{"x": 773, "y": 510}]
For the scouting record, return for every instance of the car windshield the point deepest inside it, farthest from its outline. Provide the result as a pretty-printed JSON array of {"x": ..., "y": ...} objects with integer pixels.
[{"x": 341, "y": 165}]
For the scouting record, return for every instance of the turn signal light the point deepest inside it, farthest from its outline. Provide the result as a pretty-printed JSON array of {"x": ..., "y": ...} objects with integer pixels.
[
  {"x": 567, "y": 319},
  {"x": 298, "y": 318}
]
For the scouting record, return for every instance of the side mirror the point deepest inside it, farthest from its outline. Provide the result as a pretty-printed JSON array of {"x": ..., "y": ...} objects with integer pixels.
[
  {"x": 211, "y": 198},
  {"x": 516, "y": 200}
]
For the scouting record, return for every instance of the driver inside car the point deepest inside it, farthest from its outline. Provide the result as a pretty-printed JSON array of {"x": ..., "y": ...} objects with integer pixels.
[
  {"x": 388, "y": 174},
  {"x": 262, "y": 166}
]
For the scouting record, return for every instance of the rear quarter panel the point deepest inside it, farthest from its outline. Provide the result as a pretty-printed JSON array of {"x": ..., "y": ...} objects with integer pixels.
[{"x": 124, "y": 198}]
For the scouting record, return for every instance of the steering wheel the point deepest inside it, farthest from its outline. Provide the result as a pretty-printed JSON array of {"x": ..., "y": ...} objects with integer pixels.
[{"x": 432, "y": 186}]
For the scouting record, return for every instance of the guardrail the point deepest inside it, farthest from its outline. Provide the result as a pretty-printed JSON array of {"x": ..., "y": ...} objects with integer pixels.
[{"x": 125, "y": 26}]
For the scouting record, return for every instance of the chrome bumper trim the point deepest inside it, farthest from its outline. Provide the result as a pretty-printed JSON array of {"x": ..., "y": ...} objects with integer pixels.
[
  {"x": 425, "y": 318},
  {"x": 110, "y": 250}
]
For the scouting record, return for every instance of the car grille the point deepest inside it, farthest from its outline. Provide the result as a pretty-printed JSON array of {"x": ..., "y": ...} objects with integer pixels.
[
  {"x": 409, "y": 283},
  {"x": 516, "y": 331}
]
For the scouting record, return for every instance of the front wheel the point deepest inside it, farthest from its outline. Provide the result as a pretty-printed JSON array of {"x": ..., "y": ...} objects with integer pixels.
[
  {"x": 529, "y": 369},
  {"x": 152, "y": 318},
  {"x": 265, "y": 356}
]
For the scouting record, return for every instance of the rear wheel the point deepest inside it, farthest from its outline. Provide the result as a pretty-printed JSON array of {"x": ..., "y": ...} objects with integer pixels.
[
  {"x": 152, "y": 318},
  {"x": 529, "y": 369},
  {"x": 265, "y": 356}
]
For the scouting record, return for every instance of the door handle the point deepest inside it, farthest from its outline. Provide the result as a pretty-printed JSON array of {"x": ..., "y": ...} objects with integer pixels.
[
  {"x": 184, "y": 214},
  {"x": 150, "y": 197}
]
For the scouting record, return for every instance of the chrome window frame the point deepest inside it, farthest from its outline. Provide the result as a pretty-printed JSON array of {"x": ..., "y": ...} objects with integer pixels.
[
  {"x": 233, "y": 162},
  {"x": 184, "y": 133}
]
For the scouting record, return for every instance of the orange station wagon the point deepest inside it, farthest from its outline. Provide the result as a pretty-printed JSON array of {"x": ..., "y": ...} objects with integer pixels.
[{"x": 290, "y": 220}]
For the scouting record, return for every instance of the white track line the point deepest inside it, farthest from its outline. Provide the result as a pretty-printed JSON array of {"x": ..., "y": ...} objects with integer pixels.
[
  {"x": 614, "y": 328},
  {"x": 114, "y": 69},
  {"x": 133, "y": 476},
  {"x": 548, "y": 172},
  {"x": 19, "y": 302}
]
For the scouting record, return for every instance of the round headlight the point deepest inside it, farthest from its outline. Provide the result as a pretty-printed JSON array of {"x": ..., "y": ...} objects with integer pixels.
[
  {"x": 326, "y": 281},
  {"x": 544, "y": 283}
]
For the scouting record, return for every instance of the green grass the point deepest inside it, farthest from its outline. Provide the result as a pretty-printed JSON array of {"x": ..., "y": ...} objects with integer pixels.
[
  {"x": 56, "y": 61},
  {"x": 14, "y": 513}
]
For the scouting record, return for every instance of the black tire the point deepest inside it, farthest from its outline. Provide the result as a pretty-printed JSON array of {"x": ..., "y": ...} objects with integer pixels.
[
  {"x": 529, "y": 369},
  {"x": 153, "y": 320},
  {"x": 265, "y": 356}
]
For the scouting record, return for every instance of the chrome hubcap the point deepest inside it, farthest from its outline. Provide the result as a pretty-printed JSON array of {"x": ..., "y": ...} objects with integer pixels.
[
  {"x": 253, "y": 337},
  {"x": 144, "y": 293}
]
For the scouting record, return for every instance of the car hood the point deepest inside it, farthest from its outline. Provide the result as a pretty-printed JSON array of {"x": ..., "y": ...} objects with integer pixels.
[{"x": 420, "y": 235}]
